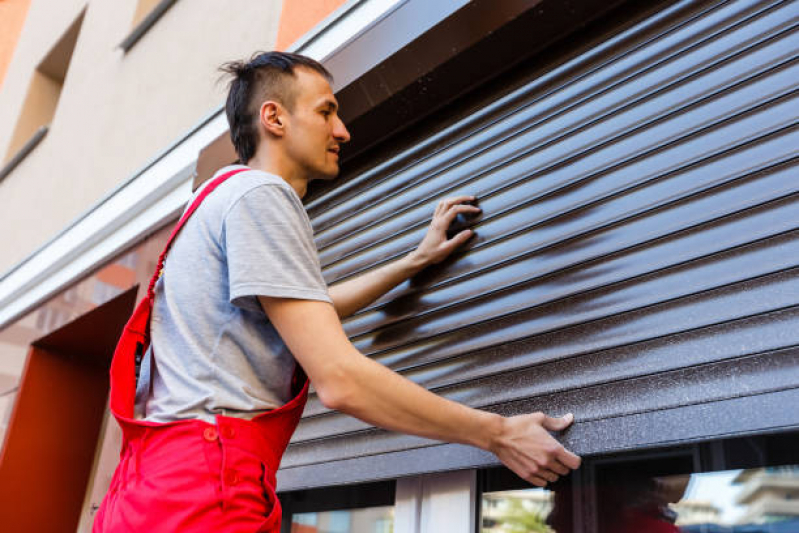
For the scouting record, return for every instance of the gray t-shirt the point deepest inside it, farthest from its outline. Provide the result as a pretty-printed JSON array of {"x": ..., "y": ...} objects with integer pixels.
[{"x": 213, "y": 349}]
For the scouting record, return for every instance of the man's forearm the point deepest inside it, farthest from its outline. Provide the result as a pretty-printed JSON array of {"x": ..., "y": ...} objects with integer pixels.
[
  {"x": 354, "y": 294},
  {"x": 350, "y": 382},
  {"x": 378, "y": 395}
]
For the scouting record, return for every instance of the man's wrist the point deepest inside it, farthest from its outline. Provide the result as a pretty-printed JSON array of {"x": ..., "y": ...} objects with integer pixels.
[
  {"x": 415, "y": 262},
  {"x": 493, "y": 429}
]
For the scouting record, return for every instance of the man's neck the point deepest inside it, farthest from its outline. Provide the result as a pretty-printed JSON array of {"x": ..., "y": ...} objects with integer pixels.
[{"x": 289, "y": 173}]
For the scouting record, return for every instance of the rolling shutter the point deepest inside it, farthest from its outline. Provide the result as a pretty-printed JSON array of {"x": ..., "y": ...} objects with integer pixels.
[{"x": 636, "y": 261}]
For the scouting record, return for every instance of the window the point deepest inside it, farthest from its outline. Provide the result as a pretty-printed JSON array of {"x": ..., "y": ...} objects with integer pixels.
[
  {"x": 144, "y": 8},
  {"x": 362, "y": 509},
  {"x": 146, "y": 15},
  {"x": 42, "y": 98},
  {"x": 739, "y": 485},
  {"x": 517, "y": 510},
  {"x": 368, "y": 520}
]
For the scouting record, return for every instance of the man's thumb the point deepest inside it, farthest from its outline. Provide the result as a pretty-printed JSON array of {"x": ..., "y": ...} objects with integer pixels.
[{"x": 558, "y": 424}]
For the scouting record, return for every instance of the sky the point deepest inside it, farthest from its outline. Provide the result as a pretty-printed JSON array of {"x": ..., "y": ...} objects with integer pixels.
[{"x": 717, "y": 487}]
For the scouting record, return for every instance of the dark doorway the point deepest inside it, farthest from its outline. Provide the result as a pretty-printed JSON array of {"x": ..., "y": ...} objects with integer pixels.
[{"x": 52, "y": 436}]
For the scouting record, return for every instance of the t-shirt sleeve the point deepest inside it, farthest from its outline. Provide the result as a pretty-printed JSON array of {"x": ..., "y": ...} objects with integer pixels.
[{"x": 270, "y": 250}]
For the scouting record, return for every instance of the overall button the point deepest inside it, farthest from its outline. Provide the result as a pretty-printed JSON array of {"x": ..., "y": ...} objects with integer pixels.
[
  {"x": 231, "y": 478},
  {"x": 210, "y": 434},
  {"x": 228, "y": 432}
]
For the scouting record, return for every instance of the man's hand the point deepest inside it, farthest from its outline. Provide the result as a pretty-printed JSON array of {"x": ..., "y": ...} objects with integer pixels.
[
  {"x": 525, "y": 446},
  {"x": 435, "y": 246},
  {"x": 356, "y": 293}
]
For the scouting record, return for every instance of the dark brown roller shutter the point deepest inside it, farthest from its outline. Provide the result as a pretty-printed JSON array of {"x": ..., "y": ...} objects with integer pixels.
[{"x": 636, "y": 262}]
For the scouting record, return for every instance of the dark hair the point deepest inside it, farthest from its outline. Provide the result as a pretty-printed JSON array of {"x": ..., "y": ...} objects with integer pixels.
[{"x": 265, "y": 76}]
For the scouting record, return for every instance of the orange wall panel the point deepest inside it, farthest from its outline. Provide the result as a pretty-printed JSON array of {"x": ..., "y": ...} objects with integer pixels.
[
  {"x": 12, "y": 17},
  {"x": 300, "y": 16}
]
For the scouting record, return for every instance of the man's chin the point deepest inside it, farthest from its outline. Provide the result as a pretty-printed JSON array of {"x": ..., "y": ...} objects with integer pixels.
[{"x": 326, "y": 176}]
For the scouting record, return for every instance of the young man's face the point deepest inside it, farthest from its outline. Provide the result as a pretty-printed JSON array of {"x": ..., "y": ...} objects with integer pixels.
[{"x": 315, "y": 131}]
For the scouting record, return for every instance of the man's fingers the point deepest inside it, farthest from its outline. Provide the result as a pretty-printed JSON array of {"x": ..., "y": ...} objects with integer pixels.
[
  {"x": 557, "y": 424},
  {"x": 569, "y": 459},
  {"x": 459, "y": 239},
  {"x": 562, "y": 456},
  {"x": 537, "y": 481},
  {"x": 446, "y": 203},
  {"x": 453, "y": 211},
  {"x": 559, "y": 468},
  {"x": 549, "y": 475}
]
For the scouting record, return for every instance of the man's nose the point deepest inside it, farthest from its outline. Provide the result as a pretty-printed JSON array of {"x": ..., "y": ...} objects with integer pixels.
[{"x": 340, "y": 132}]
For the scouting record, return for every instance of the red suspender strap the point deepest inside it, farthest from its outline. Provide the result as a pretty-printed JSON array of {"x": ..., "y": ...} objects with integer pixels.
[{"x": 193, "y": 207}]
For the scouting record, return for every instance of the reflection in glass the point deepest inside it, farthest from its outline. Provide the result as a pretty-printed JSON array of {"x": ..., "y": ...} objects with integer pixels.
[
  {"x": 367, "y": 520},
  {"x": 758, "y": 500},
  {"x": 517, "y": 511},
  {"x": 630, "y": 499}
]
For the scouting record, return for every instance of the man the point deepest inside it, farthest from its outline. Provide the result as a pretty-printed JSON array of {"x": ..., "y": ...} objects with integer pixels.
[{"x": 242, "y": 297}]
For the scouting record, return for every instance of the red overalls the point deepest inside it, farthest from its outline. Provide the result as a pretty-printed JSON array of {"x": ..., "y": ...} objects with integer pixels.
[{"x": 190, "y": 475}]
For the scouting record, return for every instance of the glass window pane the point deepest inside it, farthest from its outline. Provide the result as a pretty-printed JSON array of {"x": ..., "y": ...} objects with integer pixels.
[
  {"x": 517, "y": 511},
  {"x": 754, "y": 500},
  {"x": 367, "y": 520},
  {"x": 738, "y": 485}
]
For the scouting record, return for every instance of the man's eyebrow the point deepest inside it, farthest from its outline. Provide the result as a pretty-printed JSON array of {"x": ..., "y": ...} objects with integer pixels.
[{"x": 330, "y": 104}]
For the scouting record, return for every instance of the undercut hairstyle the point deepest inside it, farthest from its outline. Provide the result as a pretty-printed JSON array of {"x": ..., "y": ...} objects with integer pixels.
[{"x": 265, "y": 76}]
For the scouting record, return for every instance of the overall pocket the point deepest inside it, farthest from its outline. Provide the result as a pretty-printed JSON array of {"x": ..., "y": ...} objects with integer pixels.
[{"x": 274, "y": 511}]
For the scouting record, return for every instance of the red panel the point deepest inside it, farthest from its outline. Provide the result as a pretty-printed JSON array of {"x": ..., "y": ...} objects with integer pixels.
[{"x": 52, "y": 438}]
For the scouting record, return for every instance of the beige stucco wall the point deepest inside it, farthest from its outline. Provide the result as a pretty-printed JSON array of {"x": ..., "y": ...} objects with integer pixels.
[{"x": 116, "y": 111}]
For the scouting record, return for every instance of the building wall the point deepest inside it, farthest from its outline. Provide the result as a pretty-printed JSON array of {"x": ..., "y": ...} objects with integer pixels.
[
  {"x": 394, "y": 323},
  {"x": 116, "y": 110},
  {"x": 133, "y": 267},
  {"x": 132, "y": 105}
]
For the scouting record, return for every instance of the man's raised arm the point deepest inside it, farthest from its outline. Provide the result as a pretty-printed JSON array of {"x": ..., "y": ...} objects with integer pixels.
[{"x": 348, "y": 381}]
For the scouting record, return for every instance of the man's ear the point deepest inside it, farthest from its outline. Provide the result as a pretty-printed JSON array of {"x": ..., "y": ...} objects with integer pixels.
[{"x": 272, "y": 117}]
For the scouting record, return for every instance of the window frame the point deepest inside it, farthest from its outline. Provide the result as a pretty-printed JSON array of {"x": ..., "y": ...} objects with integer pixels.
[
  {"x": 138, "y": 31},
  {"x": 342, "y": 498},
  {"x": 740, "y": 452},
  {"x": 23, "y": 152}
]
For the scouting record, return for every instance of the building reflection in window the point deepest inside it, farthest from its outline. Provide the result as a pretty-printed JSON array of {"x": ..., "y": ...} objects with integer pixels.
[
  {"x": 517, "y": 511},
  {"x": 632, "y": 500},
  {"x": 748, "y": 501},
  {"x": 367, "y": 520}
]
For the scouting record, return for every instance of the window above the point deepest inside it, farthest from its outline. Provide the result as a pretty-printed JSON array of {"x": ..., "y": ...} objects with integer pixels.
[
  {"x": 42, "y": 98},
  {"x": 146, "y": 15}
]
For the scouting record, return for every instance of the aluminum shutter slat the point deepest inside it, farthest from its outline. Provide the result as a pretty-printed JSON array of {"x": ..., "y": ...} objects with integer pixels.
[
  {"x": 749, "y": 375},
  {"x": 638, "y": 251},
  {"x": 648, "y": 152},
  {"x": 551, "y": 312},
  {"x": 603, "y": 66},
  {"x": 545, "y": 122},
  {"x": 623, "y": 221},
  {"x": 525, "y": 295},
  {"x": 551, "y": 363}
]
